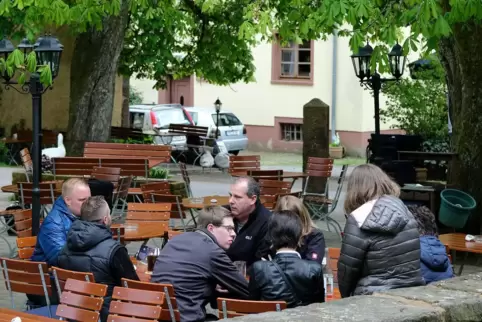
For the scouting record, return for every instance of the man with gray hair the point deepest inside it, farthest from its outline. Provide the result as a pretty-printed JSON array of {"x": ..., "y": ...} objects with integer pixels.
[
  {"x": 91, "y": 248},
  {"x": 250, "y": 220}
]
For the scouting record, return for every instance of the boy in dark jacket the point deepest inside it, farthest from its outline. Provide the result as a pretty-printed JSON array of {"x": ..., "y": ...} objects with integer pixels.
[{"x": 434, "y": 261}]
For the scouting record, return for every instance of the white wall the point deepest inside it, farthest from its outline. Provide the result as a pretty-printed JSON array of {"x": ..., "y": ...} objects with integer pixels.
[{"x": 145, "y": 86}]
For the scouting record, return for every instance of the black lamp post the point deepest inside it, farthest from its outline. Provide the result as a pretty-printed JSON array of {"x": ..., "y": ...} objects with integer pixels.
[
  {"x": 48, "y": 51},
  {"x": 217, "y": 105},
  {"x": 361, "y": 64}
]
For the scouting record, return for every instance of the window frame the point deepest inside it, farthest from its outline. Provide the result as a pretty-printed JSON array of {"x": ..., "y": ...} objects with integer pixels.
[
  {"x": 276, "y": 65},
  {"x": 294, "y": 130}
]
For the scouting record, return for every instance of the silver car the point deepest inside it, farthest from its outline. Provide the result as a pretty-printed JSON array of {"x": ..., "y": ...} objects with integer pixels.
[
  {"x": 155, "y": 119},
  {"x": 231, "y": 130}
]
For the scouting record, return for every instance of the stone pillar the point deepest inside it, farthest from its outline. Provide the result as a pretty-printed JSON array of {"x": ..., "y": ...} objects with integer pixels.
[{"x": 316, "y": 137}]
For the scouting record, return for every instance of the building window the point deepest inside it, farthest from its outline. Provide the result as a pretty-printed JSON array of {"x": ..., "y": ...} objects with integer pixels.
[
  {"x": 291, "y": 132},
  {"x": 292, "y": 63}
]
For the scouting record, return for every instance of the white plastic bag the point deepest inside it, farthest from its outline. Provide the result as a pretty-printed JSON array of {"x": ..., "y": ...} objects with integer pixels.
[
  {"x": 206, "y": 160},
  {"x": 222, "y": 160}
]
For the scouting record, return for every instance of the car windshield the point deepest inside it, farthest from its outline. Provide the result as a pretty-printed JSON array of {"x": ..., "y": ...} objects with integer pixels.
[
  {"x": 227, "y": 119},
  {"x": 171, "y": 115}
]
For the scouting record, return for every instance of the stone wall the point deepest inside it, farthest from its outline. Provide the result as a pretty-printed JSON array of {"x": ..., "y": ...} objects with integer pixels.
[{"x": 456, "y": 299}]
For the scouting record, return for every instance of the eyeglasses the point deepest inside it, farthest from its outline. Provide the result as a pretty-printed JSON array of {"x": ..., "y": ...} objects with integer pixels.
[{"x": 228, "y": 228}]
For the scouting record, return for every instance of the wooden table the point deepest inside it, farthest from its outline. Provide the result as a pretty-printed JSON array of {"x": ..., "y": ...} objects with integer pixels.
[
  {"x": 285, "y": 175},
  {"x": 457, "y": 242},
  {"x": 221, "y": 201},
  {"x": 141, "y": 231},
  {"x": 8, "y": 314}
]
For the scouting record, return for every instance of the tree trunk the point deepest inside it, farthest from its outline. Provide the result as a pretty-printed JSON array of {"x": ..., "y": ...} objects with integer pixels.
[
  {"x": 125, "y": 100},
  {"x": 93, "y": 72},
  {"x": 462, "y": 60}
]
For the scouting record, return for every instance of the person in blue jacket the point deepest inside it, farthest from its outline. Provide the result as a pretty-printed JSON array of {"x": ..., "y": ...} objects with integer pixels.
[
  {"x": 434, "y": 260},
  {"x": 52, "y": 235},
  {"x": 53, "y": 231}
]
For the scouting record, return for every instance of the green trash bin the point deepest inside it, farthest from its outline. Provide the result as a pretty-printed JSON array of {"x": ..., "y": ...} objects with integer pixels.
[{"x": 455, "y": 208}]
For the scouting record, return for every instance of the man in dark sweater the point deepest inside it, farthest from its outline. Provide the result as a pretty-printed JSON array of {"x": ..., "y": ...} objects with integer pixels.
[
  {"x": 196, "y": 262},
  {"x": 91, "y": 248},
  {"x": 251, "y": 222}
]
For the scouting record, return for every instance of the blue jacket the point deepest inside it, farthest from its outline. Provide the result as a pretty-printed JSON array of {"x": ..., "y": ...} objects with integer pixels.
[
  {"x": 53, "y": 233},
  {"x": 434, "y": 261}
]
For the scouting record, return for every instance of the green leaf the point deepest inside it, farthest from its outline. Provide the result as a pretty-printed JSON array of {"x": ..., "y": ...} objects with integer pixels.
[
  {"x": 31, "y": 62},
  {"x": 46, "y": 76},
  {"x": 21, "y": 78}
]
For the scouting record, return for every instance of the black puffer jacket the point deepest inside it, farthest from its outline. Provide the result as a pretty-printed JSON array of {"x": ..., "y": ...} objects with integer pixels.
[
  {"x": 303, "y": 284},
  {"x": 380, "y": 249}
]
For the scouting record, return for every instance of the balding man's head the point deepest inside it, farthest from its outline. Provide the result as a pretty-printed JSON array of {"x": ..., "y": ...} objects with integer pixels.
[
  {"x": 74, "y": 192},
  {"x": 243, "y": 195}
]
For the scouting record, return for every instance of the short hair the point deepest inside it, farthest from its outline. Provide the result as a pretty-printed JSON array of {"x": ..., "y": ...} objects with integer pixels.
[
  {"x": 94, "y": 209},
  {"x": 426, "y": 222},
  {"x": 212, "y": 215},
  {"x": 284, "y": 229},
  {"x": 368, "y": 182},
  {"x": 253, "y": 186},
  {"x": 69, "y": 185}
]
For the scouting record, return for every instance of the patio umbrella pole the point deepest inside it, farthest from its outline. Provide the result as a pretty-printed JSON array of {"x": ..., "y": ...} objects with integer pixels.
[{"x": 36, "y": 89}]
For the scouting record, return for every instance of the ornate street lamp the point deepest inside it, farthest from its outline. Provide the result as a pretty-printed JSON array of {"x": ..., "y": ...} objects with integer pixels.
[
  {"x": 48, "y": 50},
  {"x": 361, "y": 64},
  {"x": 217, "y": 106}
]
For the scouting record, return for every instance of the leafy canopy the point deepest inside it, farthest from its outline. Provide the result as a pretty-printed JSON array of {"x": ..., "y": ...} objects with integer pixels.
[
  {"x": 377, "y": 21},
  {"x": 186, "y": 37},
  {"x": 419, "y": 106}
]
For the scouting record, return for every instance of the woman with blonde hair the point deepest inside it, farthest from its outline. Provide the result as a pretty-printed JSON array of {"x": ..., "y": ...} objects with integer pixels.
[
  {"x": 312, "y": 242},
  {"x": 381, "y": 246}
]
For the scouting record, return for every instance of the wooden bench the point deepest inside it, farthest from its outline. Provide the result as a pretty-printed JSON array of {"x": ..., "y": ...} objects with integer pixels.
[
  {"x": 156, "y": 154},
  {"x": 195, "y": 135},
  {"x": 79, "y": 167},
  {"x": 125, "y": 133}
]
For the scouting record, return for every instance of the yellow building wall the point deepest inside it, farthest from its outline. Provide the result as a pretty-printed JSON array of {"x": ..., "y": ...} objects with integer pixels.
[{"x": 55, "y": 102}]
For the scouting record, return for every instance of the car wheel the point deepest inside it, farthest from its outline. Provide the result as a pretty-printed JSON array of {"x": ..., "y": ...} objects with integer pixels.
[{"x": 234, "y": 152}]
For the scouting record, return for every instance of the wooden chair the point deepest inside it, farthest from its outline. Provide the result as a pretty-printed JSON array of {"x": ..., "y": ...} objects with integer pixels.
[
  {"x": 119, "y": 234},
  {"x": 317, "y": 167},
  {"x": 129, "y": 304},
  {"x": 147, "y": 189},
  {"x": 26, "y": 246},
  {"x": 27, "y": 277},
  {"x": 81, "y": 301},
  {"x": 186, "y": 178},
  {"x": 49, "y": 191},
  {"x": 26, "y": 162},
  {"x": 266, "y": 174},
  {"x": 243, "y": 164},
  {"x": 177, "y": 209},
  {"x": 106, "y": 174},
  {"x": 149, "y": 212},
  {"x": 23, "y": 222},
  {"x": 169, "y": 307},
  {"x": 120, "y": 196},
  {"x": 271, "y": 189},
  {"x": 333, "y": 255},
  {"x": 230, "y": 308},
  {"x": 62, "y": 275}
]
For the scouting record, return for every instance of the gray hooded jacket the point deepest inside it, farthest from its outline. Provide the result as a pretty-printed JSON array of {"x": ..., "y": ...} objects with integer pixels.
[{"x": 380, "y": 249}]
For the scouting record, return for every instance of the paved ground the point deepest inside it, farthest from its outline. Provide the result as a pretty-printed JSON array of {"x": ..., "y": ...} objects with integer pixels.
[{"x": 208, "y": 183}]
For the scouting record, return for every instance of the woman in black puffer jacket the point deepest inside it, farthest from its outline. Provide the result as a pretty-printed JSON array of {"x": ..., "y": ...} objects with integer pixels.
[{"x": 381, "y": 246}]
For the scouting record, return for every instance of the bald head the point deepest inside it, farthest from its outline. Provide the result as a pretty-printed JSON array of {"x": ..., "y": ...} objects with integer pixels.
[{"x": 74, "y": 192}]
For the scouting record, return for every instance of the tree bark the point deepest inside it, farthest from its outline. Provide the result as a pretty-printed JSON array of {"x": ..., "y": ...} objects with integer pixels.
[
  {"x": 93, "y": 72},
  {"x": 125, "y": 101},
  {"x": 461, "y": 56}
]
